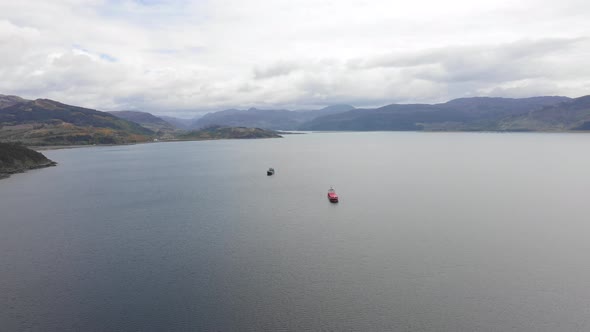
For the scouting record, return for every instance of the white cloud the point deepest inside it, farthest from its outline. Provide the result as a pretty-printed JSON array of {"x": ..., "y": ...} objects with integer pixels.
[{"x": 173, "y": 56}]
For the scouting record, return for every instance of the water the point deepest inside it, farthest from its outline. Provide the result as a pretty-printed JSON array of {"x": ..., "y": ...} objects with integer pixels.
[{"x": 433, "y": 232}]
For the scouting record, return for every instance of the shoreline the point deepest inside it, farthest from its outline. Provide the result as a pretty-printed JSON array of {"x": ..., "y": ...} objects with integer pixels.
[
  {"x": 61, "y": 147},
  {"x": 4, "y": 174}
]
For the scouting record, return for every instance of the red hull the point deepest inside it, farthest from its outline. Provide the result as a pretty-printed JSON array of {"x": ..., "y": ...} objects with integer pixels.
[{"x": 332, "y": 196}]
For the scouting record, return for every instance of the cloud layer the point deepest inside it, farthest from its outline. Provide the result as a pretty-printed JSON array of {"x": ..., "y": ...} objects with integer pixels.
[{"x": 183, "y": 57}]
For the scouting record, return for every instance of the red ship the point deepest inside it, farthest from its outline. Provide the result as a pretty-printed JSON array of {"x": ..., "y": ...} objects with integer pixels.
[{"x": 332, "y": 195}]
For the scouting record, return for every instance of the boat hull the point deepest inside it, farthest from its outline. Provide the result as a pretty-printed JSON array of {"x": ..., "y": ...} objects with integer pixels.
[{"x": 332, "y": 196}]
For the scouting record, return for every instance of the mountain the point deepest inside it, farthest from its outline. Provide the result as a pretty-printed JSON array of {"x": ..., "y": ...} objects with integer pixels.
[
  {"x": 48, "y": 122},
  {"x": 267, "y": 119},
  {"x": 255, "y": 118},
  {"x": 569, "y": 115},
  {"x": 6, "y": 101},
  {"x": 16, "y": 158},
  {"x": 333, "y": 109},
  {"x": 469, "y": 114},
  {"x": 146, "y": 120},
  {"x": 221, "y": 132},
  {"x": 178, "y": 123}
]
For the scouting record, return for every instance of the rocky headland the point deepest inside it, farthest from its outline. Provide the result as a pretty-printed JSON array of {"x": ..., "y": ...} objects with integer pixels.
[{"x": 15, "y": 158}]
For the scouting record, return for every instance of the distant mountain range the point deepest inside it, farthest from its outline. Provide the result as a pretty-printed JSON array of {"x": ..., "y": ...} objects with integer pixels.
[
  {"x": 267, "y": 119},
  {"x": 48, "y": 122},
  {"x": 178, "y": 123},
  {"x": 465, "y": 114},
  {"x": 546, "y": 113}
]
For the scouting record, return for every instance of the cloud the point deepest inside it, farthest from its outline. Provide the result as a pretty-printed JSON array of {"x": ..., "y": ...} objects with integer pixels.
[
  {"x": 175, "y": 56},
  {"x": 472, "y": 56},
  {"x": 277, "y": 69}
]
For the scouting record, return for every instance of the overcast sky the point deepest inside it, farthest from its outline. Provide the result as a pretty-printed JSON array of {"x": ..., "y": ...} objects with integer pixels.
[{"x": 182, "y": 57}]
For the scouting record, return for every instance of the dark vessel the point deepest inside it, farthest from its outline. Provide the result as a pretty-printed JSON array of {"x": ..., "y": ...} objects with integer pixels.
[{"x": 270, "y": 171}]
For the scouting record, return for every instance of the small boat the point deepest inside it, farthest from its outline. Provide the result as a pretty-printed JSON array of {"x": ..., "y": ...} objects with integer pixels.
[
  {"x": 270, "y": 171},
  {"x": 332, "y": 195}
]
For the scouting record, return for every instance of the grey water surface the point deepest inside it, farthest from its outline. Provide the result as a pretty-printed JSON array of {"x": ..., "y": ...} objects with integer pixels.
[{"x": 433, "y": 232}]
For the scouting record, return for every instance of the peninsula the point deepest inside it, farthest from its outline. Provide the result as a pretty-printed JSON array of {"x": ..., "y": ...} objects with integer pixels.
[
  {"x": 15, "y": 158},
  {"x": 221, "y": 132}
]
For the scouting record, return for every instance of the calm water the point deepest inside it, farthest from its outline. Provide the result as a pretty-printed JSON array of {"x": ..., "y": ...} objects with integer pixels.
[{"x": 434, "y": 232}]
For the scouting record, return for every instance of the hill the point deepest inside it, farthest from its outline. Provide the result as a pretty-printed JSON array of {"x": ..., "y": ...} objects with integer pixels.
[
  {"x": 6, "y": 101},
  {"x": 15, "y": 158},
  {"x": 571, "y": 115},
  {"x": 267, "y": 119},
  {"x": 468, "y": 114},
  {"x": 146, "y": 120},
  {"x": 219, "y": 132},
  {"x": 48, "y": 122}
]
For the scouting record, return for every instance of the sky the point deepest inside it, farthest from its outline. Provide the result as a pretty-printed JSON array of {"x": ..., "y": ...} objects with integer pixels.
[{"x": 182, "y": 57}]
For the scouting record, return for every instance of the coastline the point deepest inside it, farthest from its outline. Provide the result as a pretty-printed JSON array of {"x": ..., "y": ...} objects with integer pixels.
[
  {"x": 15, "y": 158},
  {"x": 6, "y": 173},
  {"x": 60, "y": 147}
]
